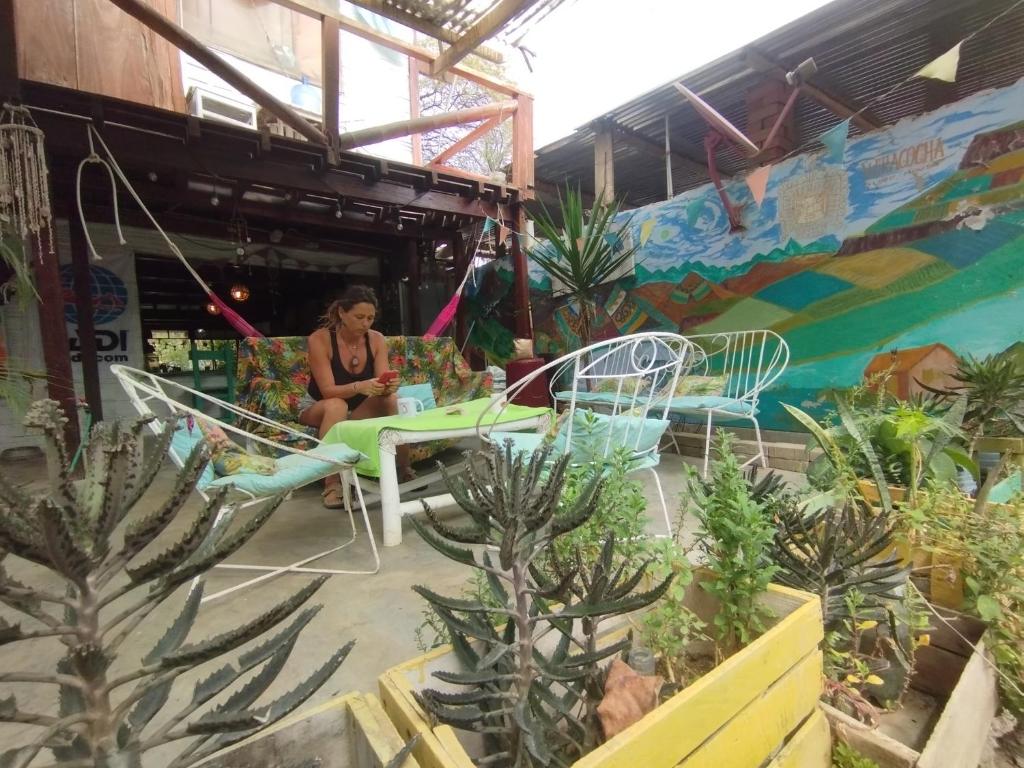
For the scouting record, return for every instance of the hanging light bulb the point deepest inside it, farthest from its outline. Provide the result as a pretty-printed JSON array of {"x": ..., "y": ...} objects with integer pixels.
[
  {"x": 239, "y": 292},
  {"x": 212, "y": 308}
]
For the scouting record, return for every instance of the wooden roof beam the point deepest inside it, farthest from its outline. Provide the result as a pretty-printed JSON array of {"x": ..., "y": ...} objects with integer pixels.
[
  {"x": 489, "y": 24},
  {"x": 481, "y": 130},
  {"x": 184, "y": 41},
  {"x": 645, "y": 143},
  {"x": 829, "y": 99},
  {"x": 401, "y": 128},
  {"x": 320, "y": 9}
]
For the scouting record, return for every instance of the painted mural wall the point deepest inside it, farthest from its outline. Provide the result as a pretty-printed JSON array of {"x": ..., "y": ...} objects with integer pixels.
[{"x": 914, "y": 237}]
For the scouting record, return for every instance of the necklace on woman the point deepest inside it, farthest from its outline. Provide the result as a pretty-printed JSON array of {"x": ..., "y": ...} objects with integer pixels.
[{"x": 354, "y": 362}]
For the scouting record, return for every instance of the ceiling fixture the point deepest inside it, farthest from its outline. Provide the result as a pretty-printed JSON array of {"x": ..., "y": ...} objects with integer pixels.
[
  {"x": 239, "y": 292},
  {"x": 212, "y": 308}
]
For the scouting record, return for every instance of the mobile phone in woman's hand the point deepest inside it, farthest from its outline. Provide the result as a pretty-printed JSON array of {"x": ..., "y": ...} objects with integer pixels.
[{"x": 387, "y": 377}]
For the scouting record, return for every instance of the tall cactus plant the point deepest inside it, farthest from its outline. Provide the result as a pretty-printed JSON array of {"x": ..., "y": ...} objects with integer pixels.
[
  {"x": 81, "y": 533},
  {"x": 532, "y": 675}
]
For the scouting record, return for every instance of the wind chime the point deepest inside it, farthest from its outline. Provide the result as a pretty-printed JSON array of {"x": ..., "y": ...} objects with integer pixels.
[{"x": 24, "y": 193}]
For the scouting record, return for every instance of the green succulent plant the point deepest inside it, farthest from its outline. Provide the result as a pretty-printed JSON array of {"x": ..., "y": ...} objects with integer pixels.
[
  {"x": 89, "y": 537},
  {"x": 529, "y": 653}
]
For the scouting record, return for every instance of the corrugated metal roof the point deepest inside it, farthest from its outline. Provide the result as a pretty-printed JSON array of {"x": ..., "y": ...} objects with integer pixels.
[
  {"x": 863, "y": 48},
  {"x": 459, "y": 16}
]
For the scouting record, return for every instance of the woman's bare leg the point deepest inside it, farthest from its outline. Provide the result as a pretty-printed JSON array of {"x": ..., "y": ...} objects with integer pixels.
[
  {"x": 385, "y": 405},
  {"x": 323, "y": 415}
]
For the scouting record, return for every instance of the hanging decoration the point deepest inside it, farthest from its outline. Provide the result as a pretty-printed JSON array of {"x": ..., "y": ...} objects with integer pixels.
[
  {"x": 943, "y": 68},
  {"x": 24, "y": 191},
  {"x": 447, "y": 314},
  {"x": 834, "y": 140},
  {"x": 239, "y": 292},
  {"x": 757, "y": 181},
  {"x": 234, "y": 319},
  {"x": 212, "y": 308}
]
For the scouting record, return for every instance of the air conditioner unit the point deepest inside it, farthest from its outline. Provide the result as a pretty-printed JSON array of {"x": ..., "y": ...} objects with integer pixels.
[
  {"x": 213, "y": 106},
  {"x": 277, "y": 128}
]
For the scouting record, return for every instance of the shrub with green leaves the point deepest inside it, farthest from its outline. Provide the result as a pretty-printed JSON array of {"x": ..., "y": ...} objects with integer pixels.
[
  {"x": 82, "y": 535},
  {"x": 734, "y": 536}
]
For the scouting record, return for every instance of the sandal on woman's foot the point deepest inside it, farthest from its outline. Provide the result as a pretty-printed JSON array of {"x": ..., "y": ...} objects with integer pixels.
[{"x": 332, "y": 498}]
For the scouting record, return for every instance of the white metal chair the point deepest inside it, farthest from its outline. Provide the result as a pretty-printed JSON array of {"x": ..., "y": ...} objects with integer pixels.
[
  {"x": 613, "y": 394},
  {"x": 735, "y": 367},
  {"x": 155, "y": 396}
]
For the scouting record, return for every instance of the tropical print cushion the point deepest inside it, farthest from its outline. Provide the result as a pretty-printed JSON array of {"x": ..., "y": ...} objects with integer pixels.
[
  {"x": 228, "y": 458},
  {"x": 273, "y": 375},
  {"x": 700, "y": 385}
]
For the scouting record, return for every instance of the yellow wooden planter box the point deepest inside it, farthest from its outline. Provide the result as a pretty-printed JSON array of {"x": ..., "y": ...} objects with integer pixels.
[
  {"x": 349, "y": 731},
  {"x": 964, "y": 682},
  {"x": 757, "y": 708}
]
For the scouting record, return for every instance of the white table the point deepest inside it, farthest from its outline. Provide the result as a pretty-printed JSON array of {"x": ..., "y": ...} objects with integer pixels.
[{"x": 392, "y": 506}]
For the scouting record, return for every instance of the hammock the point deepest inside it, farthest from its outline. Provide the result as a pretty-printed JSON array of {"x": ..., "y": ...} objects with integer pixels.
[
  {"x": 236, "y": 321},
  {"x": 447, "y": 314}
]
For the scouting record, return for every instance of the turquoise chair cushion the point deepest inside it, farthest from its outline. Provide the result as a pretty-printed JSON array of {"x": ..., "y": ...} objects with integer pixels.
[
  {"x": 1004, "y": 492},
  {"x": 183, "y": 441},
  {"x": 422, "y": 392},
  {"x": 293, "y": 471},
  {"x": 706, "y": 402},
  {"x": 522, "y": 442},
  {"x": 528, "y": 442},
  {"x": 591, "y": 440}
]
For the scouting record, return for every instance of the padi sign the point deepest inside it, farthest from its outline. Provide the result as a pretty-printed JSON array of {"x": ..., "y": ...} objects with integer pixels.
[{"x": 109, "y": 302}]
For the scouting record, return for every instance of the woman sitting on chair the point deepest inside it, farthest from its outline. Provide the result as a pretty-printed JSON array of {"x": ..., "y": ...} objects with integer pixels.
[{"x": 346, "y": 360}]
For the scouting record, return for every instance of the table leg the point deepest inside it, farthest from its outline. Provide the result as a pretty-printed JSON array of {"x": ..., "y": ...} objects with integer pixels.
[{"x": 390, "y": 502}]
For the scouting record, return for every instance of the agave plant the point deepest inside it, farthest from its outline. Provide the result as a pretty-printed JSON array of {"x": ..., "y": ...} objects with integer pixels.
[
  {"x": 532, "y": 681},
  {"x": 994, "y": 389},
  {"x": 80, "y": 533},
  {"x": 582, "y": 254}
]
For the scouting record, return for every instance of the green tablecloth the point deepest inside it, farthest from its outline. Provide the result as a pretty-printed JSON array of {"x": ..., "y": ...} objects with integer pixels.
[{"x": 362, "y": 434}]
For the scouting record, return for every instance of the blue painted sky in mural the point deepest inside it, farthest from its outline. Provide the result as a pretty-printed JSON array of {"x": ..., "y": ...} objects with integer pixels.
[{"x": 884, "y": 170}]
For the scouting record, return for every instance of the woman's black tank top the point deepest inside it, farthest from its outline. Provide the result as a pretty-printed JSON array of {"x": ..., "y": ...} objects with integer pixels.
[{"x": 341, "y": 374}]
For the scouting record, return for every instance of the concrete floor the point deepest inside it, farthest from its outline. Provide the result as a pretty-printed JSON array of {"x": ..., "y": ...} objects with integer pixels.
[{"x": 380, "y": 612}]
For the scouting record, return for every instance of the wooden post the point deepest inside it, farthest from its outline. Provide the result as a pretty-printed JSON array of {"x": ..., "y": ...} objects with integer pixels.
[
  {"x": 401, "y": 128},
  {"x": 60, "y": 382},
  {"x": 86, "y": 324},
  {"x": 461, "y": 265},
  {"x": 329, "y": 33},
  {"x": 9, "y": 83},
  {"x": 521, "y": 277},
  {"x": 412, "y": 271},
  {"x": 604, "y": 165},
  {"x": 522, "y": 148},
  {"x": 414, "y": 109}
]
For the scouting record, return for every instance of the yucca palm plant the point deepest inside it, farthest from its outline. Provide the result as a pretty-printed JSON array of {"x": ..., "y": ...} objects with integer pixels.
[{"x": 583, "y": 253}]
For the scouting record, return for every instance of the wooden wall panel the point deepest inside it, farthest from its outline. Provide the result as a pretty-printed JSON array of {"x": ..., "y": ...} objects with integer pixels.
[
  {"x": 91, "y": 45},
  {"x": 46, "y": 41}
]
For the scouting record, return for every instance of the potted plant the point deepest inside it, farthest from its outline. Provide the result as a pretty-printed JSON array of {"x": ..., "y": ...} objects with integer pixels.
[
  {"x": 582, "y": 254},
  {"x": 721, "y": 716},
  {"x": 107, "y": 569},
  {"x": 901, "y": 677}
]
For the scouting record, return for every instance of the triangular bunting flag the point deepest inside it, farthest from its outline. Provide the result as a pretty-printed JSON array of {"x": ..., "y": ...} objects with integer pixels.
[
  {"x": 757, "y": 180},
  {"x": 694, "y": 210},
  {"x": 944, "y": 67},
  {"x": 645, "y": 231},
  {"x": 834, "y": 140}
]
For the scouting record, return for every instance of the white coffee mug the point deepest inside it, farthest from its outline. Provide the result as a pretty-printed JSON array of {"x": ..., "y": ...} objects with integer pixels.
[{"x": 409, "y": 406}]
